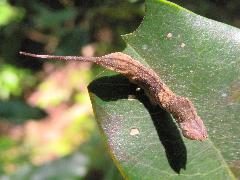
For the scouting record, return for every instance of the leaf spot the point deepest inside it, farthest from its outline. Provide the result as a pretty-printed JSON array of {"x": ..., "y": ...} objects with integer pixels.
[
  {"x": 134, "y": 131},
  {"x": 169, "y": 35},
  {"x": 182, "y": 45}
]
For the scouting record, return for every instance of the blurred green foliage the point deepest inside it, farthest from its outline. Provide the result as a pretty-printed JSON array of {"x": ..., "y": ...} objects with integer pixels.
[
  {"x": 17, "y": 111},
  {"x": 64, "y": 27},
  {"x": 13, "y": 81},
  {"x": 9, "y": 13},
  {"x": 59, "y": 27}
]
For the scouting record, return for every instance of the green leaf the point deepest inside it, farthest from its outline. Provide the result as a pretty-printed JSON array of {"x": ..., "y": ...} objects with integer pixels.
[
  {"x": 13, "y": 81},
  {"x": 198, "y": 58}
]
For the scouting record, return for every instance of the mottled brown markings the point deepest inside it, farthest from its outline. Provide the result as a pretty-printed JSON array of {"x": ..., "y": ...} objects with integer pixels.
[
  {"x": 159, "y": 93},
  {"x": 141, "y": 69}
]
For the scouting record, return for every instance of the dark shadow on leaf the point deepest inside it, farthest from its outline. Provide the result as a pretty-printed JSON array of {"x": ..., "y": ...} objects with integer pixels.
[
  {"x": 118, "y": 87},
  {"x": 18, "y": 112}
]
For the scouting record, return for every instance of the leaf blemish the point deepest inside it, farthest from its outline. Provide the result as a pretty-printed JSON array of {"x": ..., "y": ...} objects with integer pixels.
[
  {"x": 169, "y": 35},
  {"x": 182, "y": 45},
  {"x": 134, "y": 131}
]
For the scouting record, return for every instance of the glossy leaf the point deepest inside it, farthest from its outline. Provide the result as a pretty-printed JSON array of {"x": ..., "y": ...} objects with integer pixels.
[{"x": 198, "y": 58}]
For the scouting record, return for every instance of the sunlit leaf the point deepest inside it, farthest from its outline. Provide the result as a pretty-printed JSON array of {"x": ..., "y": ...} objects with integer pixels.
[{"x": 197, "y": 58}]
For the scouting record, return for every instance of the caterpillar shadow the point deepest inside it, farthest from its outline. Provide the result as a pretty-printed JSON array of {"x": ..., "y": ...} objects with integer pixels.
[{"x": 118, "y": 87}]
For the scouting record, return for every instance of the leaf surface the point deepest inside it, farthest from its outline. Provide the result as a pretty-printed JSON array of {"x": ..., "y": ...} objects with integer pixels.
[{"x": 197, "y": 58}]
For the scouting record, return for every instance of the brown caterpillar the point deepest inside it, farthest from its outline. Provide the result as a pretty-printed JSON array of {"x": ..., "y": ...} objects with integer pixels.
[{"x": 181, "y": 108}]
